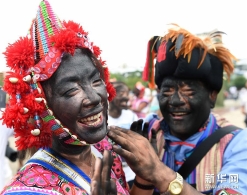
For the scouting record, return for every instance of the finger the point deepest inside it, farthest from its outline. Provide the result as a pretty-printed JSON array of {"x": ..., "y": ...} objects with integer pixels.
[
  {"x": 133, "y": 126},
  {"x": 154, "y": 141},
  {"x": 145, "y": 130},
  {"x": 123, "y": 152},
  {"x": 139, "y": 126},
  {"x": 106, "y": 171},
  {"x": 153, "y": 135},
  {"x": 95, "y": 188},
  {"x": 126, "y": 139},
  {"x": 96, "y": 179},
  {"x": 107, "y": 164},
  {"x": 119, "y": 132},
  {"x": 113, "y": 190}
]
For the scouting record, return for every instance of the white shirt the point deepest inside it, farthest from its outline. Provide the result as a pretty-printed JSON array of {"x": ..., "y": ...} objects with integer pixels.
[
  {"x": 5, "y": 133},
  {"x": 125, "y": 120}
]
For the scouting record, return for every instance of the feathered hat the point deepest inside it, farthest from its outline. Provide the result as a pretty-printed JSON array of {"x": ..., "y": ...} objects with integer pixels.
[
  {"x": 33, "y": 59},
  {"x": 184, "y": 55}
]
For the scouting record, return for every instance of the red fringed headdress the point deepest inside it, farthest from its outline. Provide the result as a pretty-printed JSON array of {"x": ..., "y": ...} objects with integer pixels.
[{"x": 33, "y": 59}]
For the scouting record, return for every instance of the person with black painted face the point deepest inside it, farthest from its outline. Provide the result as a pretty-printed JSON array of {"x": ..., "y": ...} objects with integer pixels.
[
  {"x": 119, "y": 112},
  {"x": 59, "y": 88},
  {"x": 197, "y": 153}
]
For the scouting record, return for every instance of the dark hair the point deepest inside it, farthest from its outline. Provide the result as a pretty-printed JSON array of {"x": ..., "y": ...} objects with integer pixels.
[
  {"x": 118, "y": 85},
  {"x": 136, "y": 91}
]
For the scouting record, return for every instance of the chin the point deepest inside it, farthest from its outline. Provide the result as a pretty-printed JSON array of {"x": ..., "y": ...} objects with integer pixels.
[{"x": 97, "y": 136}]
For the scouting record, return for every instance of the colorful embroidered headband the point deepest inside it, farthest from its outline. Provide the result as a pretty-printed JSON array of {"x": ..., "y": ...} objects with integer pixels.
[{"x": 35, "y": 58}]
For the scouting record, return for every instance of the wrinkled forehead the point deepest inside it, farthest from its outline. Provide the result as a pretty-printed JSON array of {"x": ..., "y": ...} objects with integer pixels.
[
  {"x": 181, "y": 82},
  {"x": 74, "y": 67}
]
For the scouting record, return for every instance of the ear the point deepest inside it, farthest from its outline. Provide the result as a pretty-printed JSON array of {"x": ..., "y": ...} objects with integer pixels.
[{"x": 212, "y": 98}]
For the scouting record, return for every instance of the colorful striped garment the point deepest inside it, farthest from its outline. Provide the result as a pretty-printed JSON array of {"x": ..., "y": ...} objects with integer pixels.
[
  {"x": 49, "y": 173},
  {"x": 206, "y": 176}
]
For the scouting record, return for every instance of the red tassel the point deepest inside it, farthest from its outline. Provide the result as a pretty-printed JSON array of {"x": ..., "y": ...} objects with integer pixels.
[
  {"x": 33, "y": 105},
  {"x": 65, "y": 40},
  {"x": 96, "y": 51},
  {"x": 12, "y": 88},
  {"x": 74, "y": 27},
  {"x": 25, "y": 139},
  {"x": 148, "y": 72},
  {"x": 14, "y": 116},
  {"x": 20, "y": 55},
  {"x": 109, "y": 87}
]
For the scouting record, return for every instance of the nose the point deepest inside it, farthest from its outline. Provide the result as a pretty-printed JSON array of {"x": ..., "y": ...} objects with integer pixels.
[
  {"x": 176, "y": 100},
  {"x": 91, "y": 99}
]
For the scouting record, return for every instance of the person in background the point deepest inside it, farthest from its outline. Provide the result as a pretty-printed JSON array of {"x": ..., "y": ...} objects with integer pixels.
[
  {"x": 5, "y": 149},
  {"x": 139, "y": 104},
  {"x": 5, "y": 134},
  {"x": 119, "y": 112},
  {"x": 120, "y": 115},
  {"x": 197, "y": 153},
  {"x": 243, "y": 101}
]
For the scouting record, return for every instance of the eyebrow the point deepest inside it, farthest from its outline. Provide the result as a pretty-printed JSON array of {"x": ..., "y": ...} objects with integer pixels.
[
  {"x": 67, "y": 79},
  {"x": 75, "y": 78}
]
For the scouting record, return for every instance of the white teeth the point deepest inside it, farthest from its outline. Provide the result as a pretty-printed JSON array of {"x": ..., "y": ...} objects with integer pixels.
[
  {"x": 179, "y": 113},
  {"x": 91, "y": 123},
  {"x": 90, "y": 118}
]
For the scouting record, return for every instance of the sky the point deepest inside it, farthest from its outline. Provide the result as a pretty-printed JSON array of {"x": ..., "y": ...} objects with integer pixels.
[{"x": 122, "y": 28}]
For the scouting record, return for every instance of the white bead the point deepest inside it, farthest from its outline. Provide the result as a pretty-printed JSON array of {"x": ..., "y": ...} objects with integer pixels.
[
  {"x": 27, "y": 78},
  {"x": 50, "y": 112},
  {"x": 83, "y": 142},
  {"x": 25, "y": 110},
  {"x": 44, "y": 100},
  {"x": 38, "y": 100},
  {"x": 35, "y": 132},
  {"x": 74, "y": 136},
  {"x": 39, "y": 90},
  {"x": 57, "y": 121},
  {"x": 13, "y": 80},
  {"x": 65, "y": 129}
]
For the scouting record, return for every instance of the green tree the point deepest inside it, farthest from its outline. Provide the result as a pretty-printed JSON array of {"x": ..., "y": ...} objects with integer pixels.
[{"x": 130, "y": 78}]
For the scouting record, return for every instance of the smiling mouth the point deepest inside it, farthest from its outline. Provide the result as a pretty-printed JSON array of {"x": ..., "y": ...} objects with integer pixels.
[
  {"x": 93, "y": 120},
  {"x": 178, "y": 115}
]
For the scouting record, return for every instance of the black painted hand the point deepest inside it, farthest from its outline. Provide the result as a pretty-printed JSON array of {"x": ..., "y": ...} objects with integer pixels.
[
  {"x": 101, "y": 182},
  {"x": 141, "y": 129},
  {"x": 137, "y": 151}
]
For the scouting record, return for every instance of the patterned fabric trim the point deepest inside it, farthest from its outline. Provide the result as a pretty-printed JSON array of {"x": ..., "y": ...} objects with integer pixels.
[
  {"x": 30, "y": 190},
  {"x": 211, "y": 164},
  {"x": 56, "y": 163}
]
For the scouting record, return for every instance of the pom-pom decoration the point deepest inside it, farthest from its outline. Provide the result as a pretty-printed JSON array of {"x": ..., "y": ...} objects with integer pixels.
[
  {"x": 18, "y": 87},
  {"x": 20, "y": 55},
  {"x": 33, "y": 60}
]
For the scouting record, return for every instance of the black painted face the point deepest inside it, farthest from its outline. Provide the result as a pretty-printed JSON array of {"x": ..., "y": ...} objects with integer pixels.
[
  {"x": 185, "y": 105},
  {"x": 78, "y": 97},
  {"x": 122, "y": 97}
]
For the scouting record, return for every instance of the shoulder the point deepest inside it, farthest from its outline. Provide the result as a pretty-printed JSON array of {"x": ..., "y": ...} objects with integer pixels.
[
  {"x": 130, "y": 114},
  {"x": 27, "y": 180},
  {"x": 239, "y": 135},
  {"x": 234, "y": 160},
  {"x": 151, "y": 117}
]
